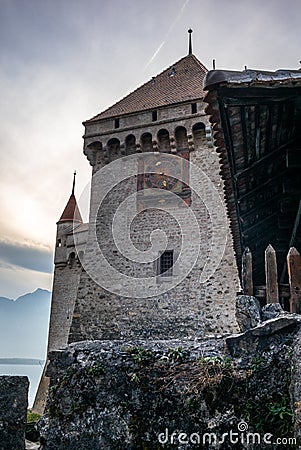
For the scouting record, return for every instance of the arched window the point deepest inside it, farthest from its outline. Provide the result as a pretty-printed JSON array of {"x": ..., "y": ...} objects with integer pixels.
[
  {"x": 113, "y": 147},
  {"x": 199, "y": 134},
  {"x": 163, "y": 140},
  {"x": 181, "y": 138},
  {"x": 146, "y": 142},
  {"x": 130, "y": 144},
  {"x": 71, "y": 260}
]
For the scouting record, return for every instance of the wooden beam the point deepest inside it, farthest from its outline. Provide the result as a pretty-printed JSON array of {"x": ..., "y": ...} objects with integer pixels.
[
  {"x": 246, "y": 272},
  {"x": 272, "y": 294},
  {"x": 256, "y": 95},
  {"x": 294, "y": 274},
  {"x": 293, "y": 239}
]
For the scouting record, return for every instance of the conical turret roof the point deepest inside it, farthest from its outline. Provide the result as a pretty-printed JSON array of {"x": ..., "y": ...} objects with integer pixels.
[{"x": 71, "y": 212}]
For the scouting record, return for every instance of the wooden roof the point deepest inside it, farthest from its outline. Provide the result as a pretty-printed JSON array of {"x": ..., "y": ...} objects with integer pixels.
[{"x": 256, "y": 119}]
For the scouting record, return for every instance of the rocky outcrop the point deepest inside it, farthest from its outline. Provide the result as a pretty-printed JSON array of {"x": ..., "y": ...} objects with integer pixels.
[
  {"x": 13, "y": 410},
  {"x": 295, "y": 389},
  {"x": 172, "y": 394}
]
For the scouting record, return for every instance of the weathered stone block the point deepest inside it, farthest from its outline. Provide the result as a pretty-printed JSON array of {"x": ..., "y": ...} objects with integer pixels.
[
  {"x": 248, "y": 312},
  {"x": 262, "y": 337},
  {"x": 272, "y": 310},
  {"x": 13, "y": 411}
]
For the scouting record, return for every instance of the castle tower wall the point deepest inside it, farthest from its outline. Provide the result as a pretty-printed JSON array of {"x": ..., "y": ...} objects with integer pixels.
[
  {"x": 188, "y": 309},
  {"x": 65, "y": 282}
]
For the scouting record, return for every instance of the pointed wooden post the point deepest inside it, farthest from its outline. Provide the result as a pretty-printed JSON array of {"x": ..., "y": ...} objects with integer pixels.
[
  {"x": 294, "y": 274},
  {"x": 246, "y": 272},
  {"x": 272, "y": 295}
]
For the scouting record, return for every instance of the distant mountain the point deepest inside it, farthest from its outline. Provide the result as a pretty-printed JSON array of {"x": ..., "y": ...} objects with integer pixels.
[{"x": 24, "y": 325}]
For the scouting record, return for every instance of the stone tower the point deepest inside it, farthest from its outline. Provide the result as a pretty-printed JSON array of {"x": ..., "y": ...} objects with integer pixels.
[
  {"x": 65, "y": 283},
  {"x": 154, "y": 170},
  {"x": 67, "y": 272},
  {"x": 161, "y": 129}
]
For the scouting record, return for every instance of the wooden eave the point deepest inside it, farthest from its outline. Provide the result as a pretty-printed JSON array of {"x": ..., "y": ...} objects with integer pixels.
[{"x": 257, "y": 132}]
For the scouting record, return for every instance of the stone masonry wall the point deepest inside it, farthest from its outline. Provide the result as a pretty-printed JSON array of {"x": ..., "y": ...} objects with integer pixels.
[
  {"x": 64, "y": 291},
  {"x": 188, "y": 309},
  {"x": 13, "y": 411}
]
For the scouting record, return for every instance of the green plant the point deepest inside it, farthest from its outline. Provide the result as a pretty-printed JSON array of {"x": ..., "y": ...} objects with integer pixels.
[
  {"x": 279, "y": 410},
  {"x": 31, "y": 433},
  {"x": 258, "y": 363},
  {"x": 177, "y": 354},
  {"x": 227, "y": 363},
  {"x": 32, "y": 416},
  {"x": 140, "y": 354},
  {"x": 97, "y": 368}
]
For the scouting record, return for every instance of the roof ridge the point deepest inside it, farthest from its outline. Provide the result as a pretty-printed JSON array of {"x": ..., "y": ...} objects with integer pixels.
[{"x": 141, "y": 87}]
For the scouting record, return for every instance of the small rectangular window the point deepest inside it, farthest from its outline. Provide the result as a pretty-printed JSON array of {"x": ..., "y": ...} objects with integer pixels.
[
  {"x": 154, "y": 116},
  {"x": 116, "y": 123},
  {"x": 193, "y": 108},
  {"x": 166, "y": 263}
]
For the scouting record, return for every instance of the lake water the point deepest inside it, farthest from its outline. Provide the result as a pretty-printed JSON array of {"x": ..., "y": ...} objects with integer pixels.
[{"x": 33, "y": 372}]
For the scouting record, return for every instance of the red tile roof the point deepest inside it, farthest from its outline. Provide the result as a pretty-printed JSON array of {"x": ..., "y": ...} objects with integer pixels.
[
  {"x": 71, "y": 212},
  {"x": 183, "y": 81}
]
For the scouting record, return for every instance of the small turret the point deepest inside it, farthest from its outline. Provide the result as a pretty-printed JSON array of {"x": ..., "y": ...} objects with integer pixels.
[
  {"x": 65, "y": 281},
  {"x": 70, "y": 218}
]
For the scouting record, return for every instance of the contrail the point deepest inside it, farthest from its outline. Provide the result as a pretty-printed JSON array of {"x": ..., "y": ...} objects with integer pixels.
[{"x": 167, "y": 34}]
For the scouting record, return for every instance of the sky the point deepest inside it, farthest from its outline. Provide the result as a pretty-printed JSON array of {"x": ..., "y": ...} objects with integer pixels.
[{"x": 64, "y": 61}]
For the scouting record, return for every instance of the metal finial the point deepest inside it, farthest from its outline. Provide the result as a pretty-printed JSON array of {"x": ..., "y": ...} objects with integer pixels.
[
  {"x": 190, "y": 42},
  {"x": 73, "y": 186}
]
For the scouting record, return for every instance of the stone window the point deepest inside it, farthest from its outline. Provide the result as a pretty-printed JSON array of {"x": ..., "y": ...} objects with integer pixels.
[
  {"x": 130, "y": 144},
  {"x": 163, "y": 140},
  {"x": 116, "y": 123},
  {"x": 166, "y": 263},
  {"x": 72, "y": 260},
  {"x": 154, "y": 116},
  {"x": 199, "y": 134},
  {"x": 193, "y": 108},
  {"x": 147, "y": 142},
  {"x": 181, "y": 138},
  {"x": 113, "y": 148}
]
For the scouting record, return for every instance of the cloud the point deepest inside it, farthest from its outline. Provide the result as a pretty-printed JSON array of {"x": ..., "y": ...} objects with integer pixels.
[
  {"x": 63, "y": 62},
  {"x": 26, "y": 256}
]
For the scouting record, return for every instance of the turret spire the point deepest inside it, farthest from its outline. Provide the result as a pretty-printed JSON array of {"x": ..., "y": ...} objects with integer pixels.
[
  {"x": 73, "y": 186},
  {"x": 190, "y": 42},
  {"x": 71, "y": 212}
]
